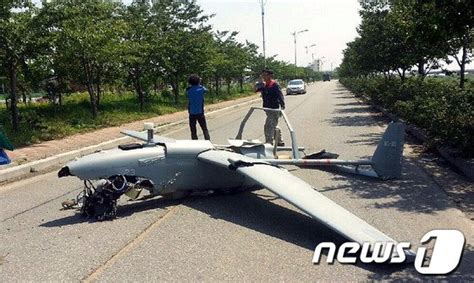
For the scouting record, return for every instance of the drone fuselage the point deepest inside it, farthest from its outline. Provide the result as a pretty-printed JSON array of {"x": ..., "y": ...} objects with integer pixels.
[{"x": 174, "y": 167}]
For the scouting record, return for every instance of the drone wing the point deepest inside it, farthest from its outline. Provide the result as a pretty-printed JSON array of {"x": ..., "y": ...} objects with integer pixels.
[
  {"x": 301, "y": 195},
  {"x": 144, "y": 136}
]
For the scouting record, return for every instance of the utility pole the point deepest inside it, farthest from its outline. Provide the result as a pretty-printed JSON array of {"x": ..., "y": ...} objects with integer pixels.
[{"x": 294, "y": 36}]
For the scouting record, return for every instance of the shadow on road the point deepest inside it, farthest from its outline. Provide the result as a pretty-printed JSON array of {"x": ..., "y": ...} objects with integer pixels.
[
  {"x": 412, "y": 192},
  {"x": 366, "y": 139},
  {"x": 352, "y": 121},
  {"x": 354, "y": 114},
  {"x": 123, "y": 210},
  {"x": 415, "y": 191},
  {"x": 260, "y": 214},
  {"x": 66, "y": 221},
  {"x": 458, "y": 187},
  {"x": 340, "y": 89},
  {"x": 341, "y": 92},
  {"x": 349, "y": 104},
  {"x": 351, "y": 110},
  {"x": 256, "y": 212},
  {"x": 463, "y": 273}
]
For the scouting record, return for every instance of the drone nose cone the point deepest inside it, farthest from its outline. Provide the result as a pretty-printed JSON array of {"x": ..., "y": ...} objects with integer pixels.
[
  {"x": 64, "y": 172},
  {"x": 73, "y": 168}
]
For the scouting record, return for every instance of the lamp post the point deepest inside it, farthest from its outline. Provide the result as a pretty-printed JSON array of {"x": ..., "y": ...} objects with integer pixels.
[
  {"x": 294, "y": 36},
  {"x": 262, "y": 4},
  {"x": 312, "y": 54},
  {"x": 308, "y": 47}
]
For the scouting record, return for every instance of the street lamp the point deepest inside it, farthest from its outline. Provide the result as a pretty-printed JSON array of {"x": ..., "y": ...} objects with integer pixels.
[
  {"x": 312, "y": 54},
  {"x": 294, "y": 36},
  {"x": 262, "y": 4},
  {"x": 308, "y": 47}
]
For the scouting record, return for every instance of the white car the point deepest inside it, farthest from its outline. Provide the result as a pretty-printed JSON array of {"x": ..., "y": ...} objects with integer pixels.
[{"x": 296, "y": 87}]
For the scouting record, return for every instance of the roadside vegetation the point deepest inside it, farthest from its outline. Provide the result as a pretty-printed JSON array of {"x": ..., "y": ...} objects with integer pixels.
[
  {"x": 399, "y": 43},
  {"x": 103, "y": 49},
  {"x": 45, "y": 121}
]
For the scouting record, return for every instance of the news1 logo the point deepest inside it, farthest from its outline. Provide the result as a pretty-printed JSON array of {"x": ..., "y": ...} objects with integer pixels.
[{"x": 446, "y": 255}]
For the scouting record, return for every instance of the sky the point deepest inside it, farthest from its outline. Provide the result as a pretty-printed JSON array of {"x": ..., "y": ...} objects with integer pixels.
[{"x": 330, "y": 23}]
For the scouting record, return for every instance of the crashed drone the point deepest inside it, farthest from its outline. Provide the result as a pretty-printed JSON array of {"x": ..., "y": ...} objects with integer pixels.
[{"x": 175, "y": 168}]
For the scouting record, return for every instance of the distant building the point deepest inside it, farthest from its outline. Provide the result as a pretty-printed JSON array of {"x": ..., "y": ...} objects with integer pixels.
[{"x": 316, "y": 65}]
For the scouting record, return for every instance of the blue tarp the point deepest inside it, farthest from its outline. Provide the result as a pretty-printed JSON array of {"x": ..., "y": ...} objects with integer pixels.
[
  {"x": 4, "y": 142},
  {"x": 4, "y": 157}
]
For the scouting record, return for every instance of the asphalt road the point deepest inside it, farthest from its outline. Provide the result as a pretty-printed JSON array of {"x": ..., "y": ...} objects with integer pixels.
[{"x": 252, "y": 236}]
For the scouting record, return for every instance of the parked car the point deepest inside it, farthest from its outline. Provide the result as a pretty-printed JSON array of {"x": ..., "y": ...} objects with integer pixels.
[
  {"x": 296, "y": 87},
  {"x": 326, "y": 77}
]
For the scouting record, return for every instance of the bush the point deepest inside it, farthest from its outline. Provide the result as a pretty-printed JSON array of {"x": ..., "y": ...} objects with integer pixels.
[
  {"x": 440, "y": 107},
  {"x": 166, "y": 93}
]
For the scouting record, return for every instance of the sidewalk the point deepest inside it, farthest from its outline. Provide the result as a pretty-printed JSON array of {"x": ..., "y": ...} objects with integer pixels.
[{"x": 36, "y": 152}]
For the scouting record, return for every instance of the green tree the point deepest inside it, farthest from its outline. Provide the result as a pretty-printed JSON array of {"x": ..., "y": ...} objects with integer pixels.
[
  {"x": 138, "y": 48},
  {"x": 458, "y": 19},
  {"x": 185, "y": 42},
  {"x": 88, "y": 39},
  {"x": 50, "y": 66},
  {"x": 422, "y": 24},
  {"x": 382, "y": 46},
  {"x": 231, "y": 59},
  {"x": 397, "y": 35},
  {"x": 15, "y": 46}
]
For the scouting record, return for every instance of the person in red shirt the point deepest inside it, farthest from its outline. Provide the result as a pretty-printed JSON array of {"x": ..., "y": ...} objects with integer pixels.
[{"x": 272, "y": 97}]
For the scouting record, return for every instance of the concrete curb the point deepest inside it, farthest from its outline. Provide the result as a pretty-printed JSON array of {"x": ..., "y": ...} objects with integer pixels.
[
  {"x": 464, "y": 165},
  {"x": 51, "y": 163}
]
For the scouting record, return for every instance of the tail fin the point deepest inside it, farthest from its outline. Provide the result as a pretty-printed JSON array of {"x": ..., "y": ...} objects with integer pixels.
[{"x": 388, "y": 156}]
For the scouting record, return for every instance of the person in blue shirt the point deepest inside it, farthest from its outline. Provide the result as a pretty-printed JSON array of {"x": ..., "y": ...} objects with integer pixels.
[{"x": 195, "y": 93}]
